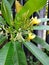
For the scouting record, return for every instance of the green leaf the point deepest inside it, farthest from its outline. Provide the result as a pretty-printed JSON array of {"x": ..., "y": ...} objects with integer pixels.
[
  {"x": 11, "y": 2},
  {"x": 42, "y": 27},
  {"x": 30, "y": 5},
  {"x": 19, "y": 55},
  {"x": 6, "y": 11},
  {"x": 40, "y": 41},
  {"x": 2, "y": 21},
  {"x": 38, "y": 53},
  {"x": 29, "y": 8},
  {"x": 44, "y": 19},
  {"x": 6, "y": 54},
  {"x": 2, "y": 39}
]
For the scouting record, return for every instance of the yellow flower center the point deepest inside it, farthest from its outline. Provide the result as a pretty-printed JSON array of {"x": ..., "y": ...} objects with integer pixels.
[
  {"x": 35, "y": 21},
  {"x": 31, "y": 36}
]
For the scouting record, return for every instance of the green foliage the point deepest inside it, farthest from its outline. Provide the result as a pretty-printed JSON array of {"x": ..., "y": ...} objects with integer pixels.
[
  {"x": 11, "y": 2},
  {"x": 46, "y": 27},
  {"x": 2, "y": 21},
  {"x": 40, "y": 41},
  {"x": 37, "y": 52},
  {"x": 0, "y": 6},
  {"x": 19, "y": 55},
  {"x": 29, "y": 8},
  {"x": 12, "y": 52},
  {"x": 6, "y": 11},
  {"x": 2, "y": 39},
  {"x": 6, "y": 54}
]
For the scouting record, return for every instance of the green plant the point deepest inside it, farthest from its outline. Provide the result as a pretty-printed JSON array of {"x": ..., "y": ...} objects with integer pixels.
[{"x": 18, "y": 31}]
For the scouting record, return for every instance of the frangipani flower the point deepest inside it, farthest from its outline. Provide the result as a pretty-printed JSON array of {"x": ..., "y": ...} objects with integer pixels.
[
  {"x": 35, "y": 21},
  {"x": 31, "y": 36}
]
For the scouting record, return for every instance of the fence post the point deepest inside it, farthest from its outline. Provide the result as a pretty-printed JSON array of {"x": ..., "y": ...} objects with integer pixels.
[
  {"x": 41, "y": 33},
  {"x": 47, "y": 33}
]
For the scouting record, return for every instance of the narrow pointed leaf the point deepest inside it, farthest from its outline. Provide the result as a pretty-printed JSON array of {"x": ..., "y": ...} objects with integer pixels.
[
  {"x": 2, "y": 21},
  {"x": 39, "y": 54},
  {"x": 11, "y": 2},
  {"x": 6, "y": 54},
  {"x": 2, "y": 39},
  {"x": 44, "y": 19},
  {"x": 29, "y": 7},
  {"x": 19, "y": 56},
  {"x": 40, "y": 41},
  {"x": 42, "y": 27},
  {"x": 6, "y": 11}
]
